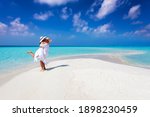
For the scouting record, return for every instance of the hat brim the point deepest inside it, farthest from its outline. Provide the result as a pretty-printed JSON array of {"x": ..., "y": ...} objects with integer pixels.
[
  {"x": 45, "y": 38},
  {"x": 41, "y": 40}
]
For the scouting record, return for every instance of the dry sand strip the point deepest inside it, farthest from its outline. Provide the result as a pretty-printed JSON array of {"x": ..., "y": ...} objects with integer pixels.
[{"x": 79, "y": 79}]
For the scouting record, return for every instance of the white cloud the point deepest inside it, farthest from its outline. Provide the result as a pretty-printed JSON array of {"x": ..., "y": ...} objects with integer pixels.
[
  {"x": 43, "y": 16},
  {"x": 93, "y": 6},
  {"x": 79, "y": 24},
  {"x": 54, "y": 2},
  {"x": 82, "y": 26},
  {"x": 145, "y": 32},
  {"x": 107, "y": 7},
  {"x": 103, "y": 29},
  {"x": 3, "y": 28},
  {"x": 65, "y": 13},
  {"x": 133, "y": 13},
  {"x": 15, "y": 28}
]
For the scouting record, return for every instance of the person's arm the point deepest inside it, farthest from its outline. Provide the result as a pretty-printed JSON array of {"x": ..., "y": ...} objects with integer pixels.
[
  {"x": 30, "y": 53},
  {"x": 48, "y": 41}
]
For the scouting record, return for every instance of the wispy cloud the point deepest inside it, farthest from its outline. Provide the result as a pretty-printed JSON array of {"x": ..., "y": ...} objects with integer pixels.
[
  {"x": 3, "y": 28},
  {"x": 65, "y": 13},
  {"x": 93, "y": 7},
  {"x": 103, "y": 29},
  {"x": 137, "y": 22},
  {"x": 107, "y": 7},
  {"x": 54, "y": 2},
  {"x": 133, "y": 13},
  {"x": 82, "y": 26},
  {"x": 43, "y": 16},
  {"x": 145, "y": 32},
  {"x": 79, "y": 24},
  {"x": 16, "y": 28}
]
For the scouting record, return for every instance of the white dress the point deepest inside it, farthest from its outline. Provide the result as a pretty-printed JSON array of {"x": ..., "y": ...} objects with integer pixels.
[
  {"x": 41, "y": 54},
  {"x": 46, "y": 50}
]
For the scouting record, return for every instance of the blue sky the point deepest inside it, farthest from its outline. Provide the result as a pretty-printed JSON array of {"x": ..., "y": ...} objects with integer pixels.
[{"x": 75, "y": 22}]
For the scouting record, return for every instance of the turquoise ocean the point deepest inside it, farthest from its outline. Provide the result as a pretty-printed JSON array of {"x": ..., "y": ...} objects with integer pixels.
[{"x": 15, "y": 57}]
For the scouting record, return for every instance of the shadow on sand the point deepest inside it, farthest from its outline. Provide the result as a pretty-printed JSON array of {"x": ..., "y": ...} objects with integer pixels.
[{"x": 51, "y": 68}]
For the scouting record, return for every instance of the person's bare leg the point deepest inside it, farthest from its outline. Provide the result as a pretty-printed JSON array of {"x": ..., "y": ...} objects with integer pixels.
[
  {"x": 31, "y": 53},
  {"x": 42, "y": 65}
]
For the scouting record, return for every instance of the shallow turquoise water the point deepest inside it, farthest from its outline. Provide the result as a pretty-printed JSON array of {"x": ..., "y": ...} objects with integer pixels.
[
  {"x": 12, "y": 57},
  {"x": 140, "y": 59}
]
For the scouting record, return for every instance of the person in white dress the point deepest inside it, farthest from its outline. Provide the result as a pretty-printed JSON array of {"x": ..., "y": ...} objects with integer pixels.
[{"x": 41, "y": 54}]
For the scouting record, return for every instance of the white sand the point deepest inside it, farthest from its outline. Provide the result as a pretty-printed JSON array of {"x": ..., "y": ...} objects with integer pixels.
[{"x": 80, "y": 79}]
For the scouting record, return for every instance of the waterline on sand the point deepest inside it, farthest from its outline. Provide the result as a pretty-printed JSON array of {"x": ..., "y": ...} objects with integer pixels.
[{"x": 115, "y": 58}]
